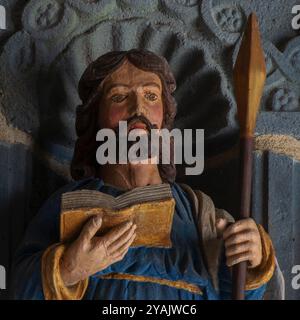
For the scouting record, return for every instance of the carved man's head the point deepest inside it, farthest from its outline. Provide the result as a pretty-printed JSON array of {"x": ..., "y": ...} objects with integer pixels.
[{"x": 135, "y": 86}]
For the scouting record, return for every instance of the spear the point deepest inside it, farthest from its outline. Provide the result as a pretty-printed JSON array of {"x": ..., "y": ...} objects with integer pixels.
[{"x": 249, "y": 77}]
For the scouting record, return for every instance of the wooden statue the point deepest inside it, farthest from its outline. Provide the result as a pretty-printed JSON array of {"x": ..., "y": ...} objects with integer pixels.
[{"x": 136, "y": 86}]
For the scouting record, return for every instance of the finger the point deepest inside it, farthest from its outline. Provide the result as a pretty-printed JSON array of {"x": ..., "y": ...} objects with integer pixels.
[
  {"x": 233, "y": 260},
  {"x": 120, "y": 253},
  {"x": 122, "y": 240},
  {"x": 116, "y": 233},
  {"x": 91, "y": 227},
  {"x": 237, "y": 227},
  {"x": 238, "y": 248},
  {"x": 221, "y": 225},
  {"x": 244, "y": 236}
]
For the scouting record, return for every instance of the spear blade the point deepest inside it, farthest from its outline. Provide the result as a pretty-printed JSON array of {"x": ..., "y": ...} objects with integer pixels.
[{"x": 249, "y": 76}]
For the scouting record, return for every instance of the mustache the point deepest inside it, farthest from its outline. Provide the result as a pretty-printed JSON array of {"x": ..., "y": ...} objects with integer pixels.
[{"x": 139, "y": 118}]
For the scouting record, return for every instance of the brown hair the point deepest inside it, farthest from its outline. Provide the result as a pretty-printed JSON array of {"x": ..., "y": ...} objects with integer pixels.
[{"x": 84, "y": 162}]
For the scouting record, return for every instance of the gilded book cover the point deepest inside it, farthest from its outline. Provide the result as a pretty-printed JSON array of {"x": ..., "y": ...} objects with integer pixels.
[{"x": 151, "y": 208}]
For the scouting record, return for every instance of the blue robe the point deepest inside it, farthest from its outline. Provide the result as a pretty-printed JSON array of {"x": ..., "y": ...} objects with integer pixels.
[{"x": 181, "y": 262}]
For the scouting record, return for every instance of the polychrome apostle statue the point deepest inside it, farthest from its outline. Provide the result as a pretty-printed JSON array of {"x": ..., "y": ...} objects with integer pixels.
[{"x": 136, "y": 86}]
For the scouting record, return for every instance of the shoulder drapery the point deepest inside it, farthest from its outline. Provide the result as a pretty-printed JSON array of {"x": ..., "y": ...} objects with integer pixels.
[{"x": 205, "y": 216}]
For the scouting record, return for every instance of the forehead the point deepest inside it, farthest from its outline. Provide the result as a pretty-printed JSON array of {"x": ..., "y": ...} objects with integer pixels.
[{"x": 129, "y": 75}]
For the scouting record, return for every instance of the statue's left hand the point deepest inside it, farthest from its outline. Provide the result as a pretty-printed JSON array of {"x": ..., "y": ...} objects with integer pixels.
[{"x": 242, "y": 242}]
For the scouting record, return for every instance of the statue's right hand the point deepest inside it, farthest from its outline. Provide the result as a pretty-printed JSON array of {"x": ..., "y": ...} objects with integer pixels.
[{"x": 89, "y": 254}]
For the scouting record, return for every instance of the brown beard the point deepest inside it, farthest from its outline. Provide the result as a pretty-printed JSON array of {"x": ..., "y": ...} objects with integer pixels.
[
  {"x": 130, "y": 121},
  {"x": 166, "y": 170}
]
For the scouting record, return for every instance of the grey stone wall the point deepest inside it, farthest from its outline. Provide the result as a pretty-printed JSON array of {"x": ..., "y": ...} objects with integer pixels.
[{"x": 48, "y": 44}]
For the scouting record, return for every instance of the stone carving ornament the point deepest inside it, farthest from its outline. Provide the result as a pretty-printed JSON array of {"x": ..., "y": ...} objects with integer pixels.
[{"x": 42, "y": 62}]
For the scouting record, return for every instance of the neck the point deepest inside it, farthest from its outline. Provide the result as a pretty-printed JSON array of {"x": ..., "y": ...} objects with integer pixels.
[{"x": 129, "y": 176}]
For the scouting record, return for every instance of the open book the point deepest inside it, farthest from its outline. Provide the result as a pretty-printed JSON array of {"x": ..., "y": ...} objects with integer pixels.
[{"x": 151, "y": 208}]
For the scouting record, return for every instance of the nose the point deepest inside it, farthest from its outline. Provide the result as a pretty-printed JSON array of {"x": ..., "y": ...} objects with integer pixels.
[{"x": 137, "y": 104}]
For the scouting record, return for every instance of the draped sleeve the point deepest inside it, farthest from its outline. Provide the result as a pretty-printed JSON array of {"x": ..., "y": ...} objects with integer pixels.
[{"x": 42, "y": 232}]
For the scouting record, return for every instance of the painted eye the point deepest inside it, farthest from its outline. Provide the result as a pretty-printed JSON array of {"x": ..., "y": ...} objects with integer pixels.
[
  {"x": 118, "y": 98},
  {"x": 150, "y": 96}
]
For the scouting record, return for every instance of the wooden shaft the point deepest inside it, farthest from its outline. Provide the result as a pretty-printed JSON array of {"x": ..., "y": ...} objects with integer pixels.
[
  {"x": 239, "y": 280},
  {"x": 245, "y": 167}
]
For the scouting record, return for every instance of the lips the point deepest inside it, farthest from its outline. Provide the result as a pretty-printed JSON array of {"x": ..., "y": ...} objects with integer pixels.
[{"x": 137, "y": 125}]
